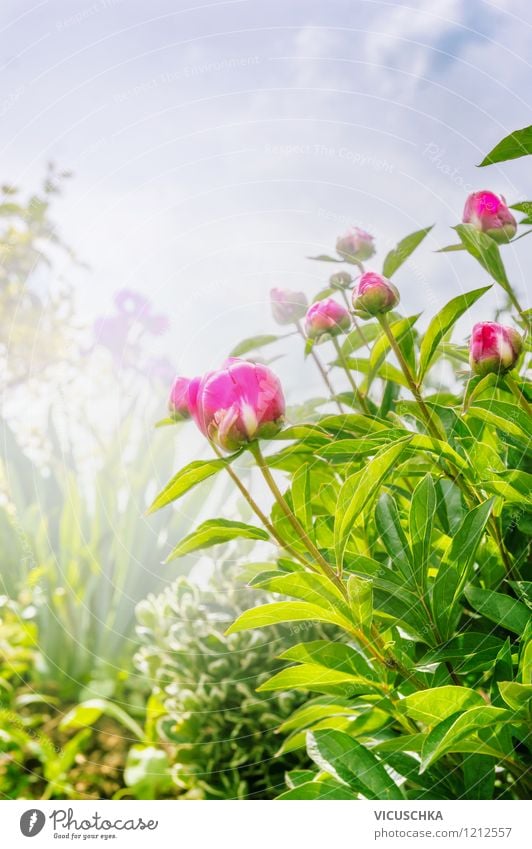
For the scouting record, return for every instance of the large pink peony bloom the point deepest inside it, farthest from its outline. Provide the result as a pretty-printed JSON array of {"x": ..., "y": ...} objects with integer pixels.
[
  {"x": 374, "y": 294},
  {"x": 178, "y": 404},
  {"x": 287, "y": 306},
  {"x": 494, "y": 348},
  {"x": 488, "y": 213},
  {"x": 326, "y": 316},
  {"x": 355, "y": 245},
  {"x": 241, "y": 402}
]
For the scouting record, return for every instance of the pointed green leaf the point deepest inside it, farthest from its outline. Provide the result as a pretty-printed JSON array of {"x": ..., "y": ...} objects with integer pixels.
[
  {"x": 456, "y": 567},
  {"x": 435, "y": 705},
  {"x": 186, "y": 478},
  {"x": 352, "y": 764},
  {"x": 360, "y": 594},
  {"x": 214, "y": 532},
  {"x": 486, "y": 251},
  {"x": 518, "y": 143},
  {"x": 359, "y": 490},
  {"x": 421, "y": 517},
  {"x": 445, "y": 736},
  {"x": 501, "y": 609},
  {"x": 282, "y": 611},
  {"x": 442, "y": 323},
  {"x": 402, "y": 251},
  {"x": 252, "y": 343},
  {"x": 326, "y": 789}
]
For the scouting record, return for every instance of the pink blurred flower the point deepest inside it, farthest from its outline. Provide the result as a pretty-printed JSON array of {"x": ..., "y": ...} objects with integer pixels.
[
  {"x": 178, "y": 405},
  {"x": 136, "y": 307},
  {"x": 112, "y": 332},
  {"x": 494, "y": 348},
  {"x": 131, "y": 303},
  {"x": 288, "y": 307},
  {"x": 240, "y": 402},
  {"x": 160, "y": 369},
  {"x": 374, "y": 294},
  {"x": 488, "y": 212},
  {"x": 355, "y": 245},
  {"x": 326, "y": 316}
]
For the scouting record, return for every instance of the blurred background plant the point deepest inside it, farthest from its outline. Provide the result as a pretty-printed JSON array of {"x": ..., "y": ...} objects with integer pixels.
[{"x": 218, "y": 733}]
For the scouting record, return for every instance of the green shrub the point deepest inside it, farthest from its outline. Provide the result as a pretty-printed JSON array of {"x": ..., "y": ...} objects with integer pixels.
[{"x": 221, "y": 731}]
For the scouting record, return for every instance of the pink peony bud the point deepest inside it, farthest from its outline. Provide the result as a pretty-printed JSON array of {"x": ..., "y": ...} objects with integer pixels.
[
  {"x": 355, "y": 245},
  {"x": 326, "y": 316},
  {"x": 241, "y": 402},
  {"x": 488, "y": 213},
  {"x": 374, "y": 295},
  {"x": 494, "y": 348},
  {"x": 178, "y": 403},
  {"x": 287, "y": 306},
  {"x": 340, "y": 280}
]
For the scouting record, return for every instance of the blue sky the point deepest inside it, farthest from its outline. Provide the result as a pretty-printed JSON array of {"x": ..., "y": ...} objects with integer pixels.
[{"x": 216, "y": 145}]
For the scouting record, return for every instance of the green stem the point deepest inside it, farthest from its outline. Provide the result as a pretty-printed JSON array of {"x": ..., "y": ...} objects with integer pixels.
[
  {"x": 358, "y": 394},
  {"x": 513, "y": 386},
  {"x": 321, "y": 369},
  {"x": 432, "y": 427},
  {"x": 260, "y": 514},
  {"x": 296, "y": 524},
  {"x": 358, "y": 328},
  {"x": 437, "y": 433}
]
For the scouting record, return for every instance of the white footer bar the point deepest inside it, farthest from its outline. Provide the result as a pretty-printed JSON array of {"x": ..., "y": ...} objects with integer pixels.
[{"x": 266, "y": 825}]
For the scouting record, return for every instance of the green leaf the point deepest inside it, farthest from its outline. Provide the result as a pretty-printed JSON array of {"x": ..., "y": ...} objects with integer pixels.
[
  {"x": 313, "y": 676},
  {"x": 445, "y": 736},
  {"x": 392, "y": 535},
  {"x": 518, "y": 143},
  {"x": 331, "y": 656},
  {"x": 501, "y": 609},
  {"x": 435, "y": 705},
  {"x": 450, "y": 249},
  {"x": 352, "y": 764},
  {"x": 88, "y": 713},
  {"x": 360, "y": 490},
  {"x": 313, "y": 790},
  {"x": 359, "y": 336},
  {"x": 360, "y": 594},
  {"x": 503, "y": 416},
  {"x": 306, "y": 586},
  {"x": 486, "y": 251},
  {"x": 282, "y": 611},
  {"x": 467, "y": 652},
  {"x": 186, "y": 478},
  {"x": 399, "y": 329},
  {"x": 252, "y": 343},
  {"x": 325, "y": 258},
  {"x": 456, "y": 567},
  {"x": 518, "y": 696},
  {"x": 214, "y": 532},
  {"x": 421, "y": 517},
  {"x": 442, "y": 323},
  {"x": 301, "y": 497},
  {"x": 402, "y": 251}
]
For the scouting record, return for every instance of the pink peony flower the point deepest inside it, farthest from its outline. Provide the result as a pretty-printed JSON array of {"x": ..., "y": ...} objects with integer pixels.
[
  {"x": 374, "y": 295},
  {"x": 178, "y": 405},
  {"x": 494, "y": 348},
  {"x": 287, "y": 306},
  {"x": 488, "y": 213},
  {"x": 355, "y": 245},
  {"x": 237, "y": 404},
  {"x": 326, "y": 316}
]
